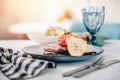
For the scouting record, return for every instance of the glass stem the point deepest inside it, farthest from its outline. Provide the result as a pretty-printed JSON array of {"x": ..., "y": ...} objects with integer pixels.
[{"x": 93, "y": 39}]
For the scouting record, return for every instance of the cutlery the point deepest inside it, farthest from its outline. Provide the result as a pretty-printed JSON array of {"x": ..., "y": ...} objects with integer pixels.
[
  {"x": 71, "y": 72},
  {"x": 94, "y": 68}
]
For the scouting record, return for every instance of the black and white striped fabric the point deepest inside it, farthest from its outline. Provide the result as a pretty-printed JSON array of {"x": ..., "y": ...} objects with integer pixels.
[{"x": 14, "y": 66}]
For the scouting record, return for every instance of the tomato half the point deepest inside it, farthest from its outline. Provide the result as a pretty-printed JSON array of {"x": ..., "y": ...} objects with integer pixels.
[
  {"x": 85, "y": 38},
  {"x": 62, "y": 39}
]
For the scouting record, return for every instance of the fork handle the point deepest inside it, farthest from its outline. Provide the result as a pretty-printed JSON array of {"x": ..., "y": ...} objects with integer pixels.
[
  {"x": 71, "y": 72},
  {"x": 84, "y": 72}
]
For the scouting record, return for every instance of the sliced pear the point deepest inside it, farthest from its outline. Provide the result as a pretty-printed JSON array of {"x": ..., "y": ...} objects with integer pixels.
[{"x": 76, "y": 46}]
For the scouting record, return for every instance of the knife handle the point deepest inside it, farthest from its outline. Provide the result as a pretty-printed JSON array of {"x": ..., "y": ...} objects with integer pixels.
[
  {"x": 70, "y": 73},
  {"x": 84, "y": 72}
]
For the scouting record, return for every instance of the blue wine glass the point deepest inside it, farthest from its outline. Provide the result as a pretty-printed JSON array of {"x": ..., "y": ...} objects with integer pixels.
[{"x": 93, "y": 19}]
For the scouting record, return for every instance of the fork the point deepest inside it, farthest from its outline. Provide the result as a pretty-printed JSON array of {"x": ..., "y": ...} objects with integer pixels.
[{"x": 87, "y": 66}]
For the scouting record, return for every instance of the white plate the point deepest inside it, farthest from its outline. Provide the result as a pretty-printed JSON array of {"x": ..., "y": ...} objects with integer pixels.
[{"x": 39, "y": 38}]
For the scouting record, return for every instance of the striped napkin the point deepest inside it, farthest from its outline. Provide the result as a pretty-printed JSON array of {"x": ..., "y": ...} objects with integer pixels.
[{"x": 15, "y": 67}]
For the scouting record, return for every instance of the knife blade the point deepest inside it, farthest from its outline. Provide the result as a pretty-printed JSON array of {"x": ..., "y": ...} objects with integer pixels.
[
  {"x": 71, "y": 72},
  {"x": 94, "y": 68}
]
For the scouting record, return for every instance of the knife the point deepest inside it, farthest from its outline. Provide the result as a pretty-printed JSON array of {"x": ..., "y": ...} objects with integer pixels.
[
  {"x": 94, "y": 68},
  {"x": 71, "y": 72}
]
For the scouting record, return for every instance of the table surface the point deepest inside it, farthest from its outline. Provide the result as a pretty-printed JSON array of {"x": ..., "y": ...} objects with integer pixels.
[{"x": 111, "y": 48}]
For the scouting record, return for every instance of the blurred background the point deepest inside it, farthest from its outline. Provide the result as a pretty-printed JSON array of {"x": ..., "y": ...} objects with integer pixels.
[{"x": 23, "y": 12}]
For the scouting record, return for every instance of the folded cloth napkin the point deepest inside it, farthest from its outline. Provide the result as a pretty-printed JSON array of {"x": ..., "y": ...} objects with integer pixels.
[
  {"x": 100, "y": 39},
  {"x": 15, "y": 67}
]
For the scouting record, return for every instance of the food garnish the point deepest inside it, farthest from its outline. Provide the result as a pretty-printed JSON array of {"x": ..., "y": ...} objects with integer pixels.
[{"x": 54, "y": 31}]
